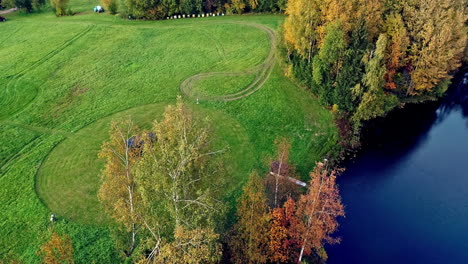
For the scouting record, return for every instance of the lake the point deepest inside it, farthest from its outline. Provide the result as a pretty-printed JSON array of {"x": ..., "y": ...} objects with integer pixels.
[{"x": 406, "y": 195}]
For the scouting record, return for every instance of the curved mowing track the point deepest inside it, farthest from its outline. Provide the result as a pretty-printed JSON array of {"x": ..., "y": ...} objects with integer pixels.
[
  {"x": 263, "y": 73},
  {"x": 12, "y": 94}
]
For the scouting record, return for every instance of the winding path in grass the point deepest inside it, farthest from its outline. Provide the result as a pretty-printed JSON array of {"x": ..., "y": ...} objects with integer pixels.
[
  {"x": 263, "y": 72},
  {"x": 68, "y": 179}
]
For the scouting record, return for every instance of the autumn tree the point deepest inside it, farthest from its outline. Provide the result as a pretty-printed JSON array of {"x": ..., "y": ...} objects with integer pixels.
[
  {"x": 253, "y": 4},
  {"x": 284, "y": 244},
  {"x": 318, "y": 211},
  {"x": 300, "y": 24},
  {"x": 238, "y": 6},
  {"x": 250, "y": 241},
  {"x": 372, "y": 13},
  {"x": 438, "y": 34},
  {"x": 118, "y": 189},
  {"x": 179, "y": 175},
  {"x": 277, "y": 249},
  {"x": 197, "y": 246},
  {"x": 58, "y": 250},
  {"x": 110, "y": 5},
  {"x": 398, "y": 43}
]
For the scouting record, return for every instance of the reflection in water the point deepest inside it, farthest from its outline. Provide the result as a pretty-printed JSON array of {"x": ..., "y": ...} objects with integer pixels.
[
  {"x": 406, "y": 196},
  {"x": 456, "y": 99}
]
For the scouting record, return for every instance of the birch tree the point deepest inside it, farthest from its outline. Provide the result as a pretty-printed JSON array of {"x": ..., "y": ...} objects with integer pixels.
[
  {"x": 318, "y": 211},
  {"x": 197, "y": 246},
  {"x": 118, "y": 189},
  {"x": 179, "y": 175},
  {"x": 250, "y": 242}
]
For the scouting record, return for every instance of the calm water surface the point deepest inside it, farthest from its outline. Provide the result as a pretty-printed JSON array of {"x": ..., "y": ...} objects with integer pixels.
[{"x": 406, "y": 196}]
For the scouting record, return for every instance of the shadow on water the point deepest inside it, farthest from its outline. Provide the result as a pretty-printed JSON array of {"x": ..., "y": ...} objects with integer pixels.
[
  {"x": 406, "y": 186},
  {"x": 402, "y": 131},
  {"x": 457, "y": 98}
]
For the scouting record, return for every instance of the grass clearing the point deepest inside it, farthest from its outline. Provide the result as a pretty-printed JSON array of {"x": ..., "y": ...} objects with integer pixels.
[
  {"x": 63, "y": 80},
  {"x": 70, "y": 176}
]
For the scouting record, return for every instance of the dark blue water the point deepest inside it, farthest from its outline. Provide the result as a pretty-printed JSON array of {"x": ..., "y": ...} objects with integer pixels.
[{"x": 406, "y": 196}]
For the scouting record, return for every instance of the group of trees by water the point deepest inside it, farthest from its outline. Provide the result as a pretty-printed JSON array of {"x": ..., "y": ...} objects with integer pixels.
[
  {"x": 163, "y": 189},
  {"x": 293, "y": 225},
  {"x": 364, "y": 58}
]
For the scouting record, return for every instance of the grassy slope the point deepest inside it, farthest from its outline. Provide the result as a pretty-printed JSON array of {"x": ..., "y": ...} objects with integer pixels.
[{"x": 78, "y": 72}]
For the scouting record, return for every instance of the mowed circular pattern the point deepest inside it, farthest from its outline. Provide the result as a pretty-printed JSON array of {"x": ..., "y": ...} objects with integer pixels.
[{"x": 69, "y": 179}]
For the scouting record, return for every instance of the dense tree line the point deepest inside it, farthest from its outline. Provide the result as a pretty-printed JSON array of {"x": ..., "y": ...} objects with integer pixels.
[
  {"x": 60, "y": 6},
  {"x": 160, "y": 9},
  {"x": 26, "y": 5},
  {"x": 364, "y": 58}
]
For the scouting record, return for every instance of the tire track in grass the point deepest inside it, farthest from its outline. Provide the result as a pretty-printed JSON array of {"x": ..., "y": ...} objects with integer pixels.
[
  {"x": 11, "y": 34},
  {"x": 219, "y": 47},
  {"x": 5, "y": 166},
  {"x": 41, "y": 130},
  {"x": 263, "y": 73},
  {"x": 12, "y": 94}
]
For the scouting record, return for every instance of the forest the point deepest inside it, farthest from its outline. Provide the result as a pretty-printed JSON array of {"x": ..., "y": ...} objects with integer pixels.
[{"x": 365, "y": 58}]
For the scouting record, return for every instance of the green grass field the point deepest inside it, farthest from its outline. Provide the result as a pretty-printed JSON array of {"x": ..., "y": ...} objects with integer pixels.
[{"x": 63, "y": 80}]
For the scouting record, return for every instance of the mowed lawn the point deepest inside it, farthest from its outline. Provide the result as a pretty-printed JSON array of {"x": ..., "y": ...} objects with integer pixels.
[{"x": 63, "y": 80}]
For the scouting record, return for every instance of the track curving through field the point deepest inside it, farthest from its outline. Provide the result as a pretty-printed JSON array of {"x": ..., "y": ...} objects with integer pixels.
[
  {"x": 262, "y": 71},
  {"x": 11, "y": 94}
]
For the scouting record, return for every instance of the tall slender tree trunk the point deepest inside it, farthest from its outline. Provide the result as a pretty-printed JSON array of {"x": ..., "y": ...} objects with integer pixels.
[
  {"x": 309, "y": 220},
  {"x": 132, "y": 214},
  {"x": 130, "y": 188},
  {"x": 276, "y": 180}
]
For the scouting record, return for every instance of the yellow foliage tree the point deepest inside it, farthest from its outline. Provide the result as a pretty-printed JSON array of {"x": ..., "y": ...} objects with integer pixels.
[
  {"x": 398, "y": 43},
  {"x": 58, "y": 250},
  {"x": 238, "y": 6},
  {"x": 117, "y": 192},
  {"x": 438, "y": 33},
  {"x": 250, "y": 242},
  {"x": 198, "y": 246},
  {"x": 253, "y": 4},
  {"x": 305, "y": 26},
  {"x": 299, "y": 26}
]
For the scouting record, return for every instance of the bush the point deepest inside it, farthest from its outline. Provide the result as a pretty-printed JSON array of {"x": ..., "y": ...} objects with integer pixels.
[
  {"x": 113, "y": 7},
  {"x": 37, "y": 4},
  {"x": 110, "y": 5},
  {"x": 60, "y": 7}
]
